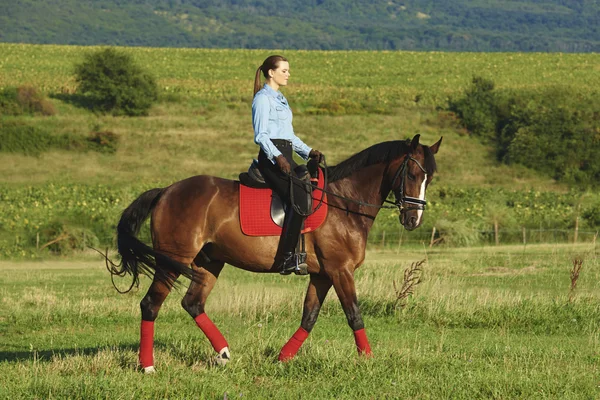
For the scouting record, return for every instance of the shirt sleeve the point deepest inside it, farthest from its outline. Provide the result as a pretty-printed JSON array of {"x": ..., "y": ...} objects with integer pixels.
[
  {"x": 300, "y": 147},
  {"x": 260, "y": 121}
]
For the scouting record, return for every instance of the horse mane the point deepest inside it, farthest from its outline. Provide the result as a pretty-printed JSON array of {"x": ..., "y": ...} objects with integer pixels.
[{"x": 379, "y": 153}]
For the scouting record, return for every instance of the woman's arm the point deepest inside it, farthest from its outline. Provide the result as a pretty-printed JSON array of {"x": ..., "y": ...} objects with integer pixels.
[
  {"x": 300, "y": 147},
  {"x": 260, "y": 121}
]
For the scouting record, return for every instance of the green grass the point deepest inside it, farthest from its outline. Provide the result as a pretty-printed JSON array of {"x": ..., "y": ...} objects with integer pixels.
[
  {"x": 392, "y": 77},
  {"x": 203, "y": 124},
  {"x": 174, "y": 143},
  {"x": 487, "y": 322}
]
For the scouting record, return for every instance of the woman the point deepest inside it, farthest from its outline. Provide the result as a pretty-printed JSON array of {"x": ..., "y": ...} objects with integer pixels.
[{"x": 273, "y": 132}]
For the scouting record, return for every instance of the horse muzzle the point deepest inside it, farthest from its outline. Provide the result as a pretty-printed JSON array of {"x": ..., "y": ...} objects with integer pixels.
[{"x": 409, "y": 220}]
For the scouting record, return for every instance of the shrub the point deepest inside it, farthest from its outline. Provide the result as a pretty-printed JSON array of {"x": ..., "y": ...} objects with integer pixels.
[
  {"x": 477, "y": 108},
  {"x": 103, "y": 142},
  {"x": 33, "y": 102},
  {"x": 592, "y": 215},
  {"x": 457, "y": 233},
  {"x": 8, "y": 102},
  {"x": 61, "y": 238},
  {"x": 113, "y": 83},
  {"x": 18, "y": 137},
  {"x": 557, "y": 134},
  {"x": 24, "y": 100},
  {"x": 554, "y": 131}
]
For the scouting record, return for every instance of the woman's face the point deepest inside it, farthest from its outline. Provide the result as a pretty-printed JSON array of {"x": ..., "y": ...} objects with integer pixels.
[{"x": 280, "y": 75}]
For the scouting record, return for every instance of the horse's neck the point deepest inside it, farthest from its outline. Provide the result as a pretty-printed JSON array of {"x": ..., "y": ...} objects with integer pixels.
[{"x": 365, "y": 185}]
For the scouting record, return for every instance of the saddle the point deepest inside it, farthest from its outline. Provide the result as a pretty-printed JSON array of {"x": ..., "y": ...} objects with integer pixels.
[{"x": 262, "y": 211}]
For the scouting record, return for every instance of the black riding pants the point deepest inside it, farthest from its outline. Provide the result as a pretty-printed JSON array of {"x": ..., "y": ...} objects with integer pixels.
[{"x": 280, "y": 182}]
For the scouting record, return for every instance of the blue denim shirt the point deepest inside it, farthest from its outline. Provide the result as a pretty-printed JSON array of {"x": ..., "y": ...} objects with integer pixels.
[{"x": 272, "y": 119}]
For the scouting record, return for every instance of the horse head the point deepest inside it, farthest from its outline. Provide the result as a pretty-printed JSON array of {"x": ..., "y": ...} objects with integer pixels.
[{"x": 412, "y": 174}]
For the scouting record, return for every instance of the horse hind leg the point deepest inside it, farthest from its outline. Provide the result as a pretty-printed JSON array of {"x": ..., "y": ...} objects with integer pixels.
[
  {"x": 150, "y": 306},
  {"x": 195, "y": 299}
]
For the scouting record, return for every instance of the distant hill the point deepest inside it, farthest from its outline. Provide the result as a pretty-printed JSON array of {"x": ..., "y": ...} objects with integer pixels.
[{"x": 457, "y": 25}]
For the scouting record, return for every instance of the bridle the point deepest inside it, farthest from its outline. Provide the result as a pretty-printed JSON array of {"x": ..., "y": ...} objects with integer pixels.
[{"x": 401, "y": 199}]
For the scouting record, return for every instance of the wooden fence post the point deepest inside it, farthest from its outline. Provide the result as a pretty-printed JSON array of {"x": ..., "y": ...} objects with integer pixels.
[
  {"x": 576, "y": 229},
  {"x": 524, "y": 235},
  {"x": 432, "y": 237},
  {"x": 400, "y": 232},
  {"x": 496, "y": 232},
  {"x": 383, "y": 240}
]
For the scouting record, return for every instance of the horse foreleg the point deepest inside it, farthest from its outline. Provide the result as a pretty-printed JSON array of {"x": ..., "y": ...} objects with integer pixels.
[
  {"x": 150, "y": 305},
  {"x": 343, "y": 283},
  {"x": 315, "y": 295},
  {"x": 194, "y": 302}
]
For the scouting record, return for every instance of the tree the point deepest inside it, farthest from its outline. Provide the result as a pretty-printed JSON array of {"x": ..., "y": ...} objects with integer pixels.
[{"x": 113, "y": 83}]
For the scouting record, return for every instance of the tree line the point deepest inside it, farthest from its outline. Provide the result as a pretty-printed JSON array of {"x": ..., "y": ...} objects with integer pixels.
[{"x": 535, "y": 25}]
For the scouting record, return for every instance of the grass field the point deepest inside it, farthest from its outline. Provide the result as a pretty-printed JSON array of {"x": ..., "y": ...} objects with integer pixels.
[
  {"x": 389, "y": 76},
  {"x": 486, "y": 322},
  {"x": 343, "y": 102}
]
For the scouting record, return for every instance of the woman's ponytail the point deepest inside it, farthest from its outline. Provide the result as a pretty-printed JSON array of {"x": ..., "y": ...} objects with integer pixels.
[{"x": 257, "y": 80}]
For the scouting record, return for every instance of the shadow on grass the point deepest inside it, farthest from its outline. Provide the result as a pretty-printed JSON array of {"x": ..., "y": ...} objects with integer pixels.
[
  {"x": 189, "y": 356},
  {"x": 46, "y": 355},
  {"x": 76, "y": 100},
  {"x": 270, "y": 352}
]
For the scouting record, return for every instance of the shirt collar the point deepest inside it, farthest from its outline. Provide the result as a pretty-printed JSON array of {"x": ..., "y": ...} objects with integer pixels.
[{"x": 274, "y": 93}]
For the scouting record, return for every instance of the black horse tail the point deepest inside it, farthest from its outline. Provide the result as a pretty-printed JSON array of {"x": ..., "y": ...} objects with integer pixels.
[{"x": 138, "y": 258}]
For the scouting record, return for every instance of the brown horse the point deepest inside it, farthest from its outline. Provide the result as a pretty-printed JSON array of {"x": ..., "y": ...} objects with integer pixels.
[{"x": 195, "y": 229}]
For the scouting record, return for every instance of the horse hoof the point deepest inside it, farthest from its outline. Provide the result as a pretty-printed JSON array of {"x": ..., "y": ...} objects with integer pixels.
[
  {"x": 149, "y": 370},
  {"x": 223, "y": 357}
]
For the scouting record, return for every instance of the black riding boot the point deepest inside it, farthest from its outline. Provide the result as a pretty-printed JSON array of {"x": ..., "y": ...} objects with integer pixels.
[{"x": 289, "y": 260}]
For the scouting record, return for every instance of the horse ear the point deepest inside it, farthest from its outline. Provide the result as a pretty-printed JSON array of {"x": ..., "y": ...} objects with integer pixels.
[
  {"x": 435, "y": 147},
  {"x": 415, "y": 142}
]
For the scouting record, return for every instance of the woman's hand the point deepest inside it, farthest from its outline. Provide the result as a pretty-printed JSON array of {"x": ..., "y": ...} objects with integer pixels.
[
  {"x": 316, "y": 154},
  {"x": 283, "y": 164}
]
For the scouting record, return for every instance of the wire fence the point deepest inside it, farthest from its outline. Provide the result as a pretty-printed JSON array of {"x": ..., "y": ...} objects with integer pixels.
[{"x": 386, "y": 239}]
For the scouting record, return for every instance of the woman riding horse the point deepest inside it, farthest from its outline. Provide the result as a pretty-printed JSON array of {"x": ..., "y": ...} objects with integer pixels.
[
  {"x": 273, "y": 132},
  {"x": 196, "y": 230}
]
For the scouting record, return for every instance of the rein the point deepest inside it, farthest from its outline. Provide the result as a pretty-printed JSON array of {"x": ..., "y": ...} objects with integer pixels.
[
  {"x": 401, "y": 199},
  {"x": 303, "y": 183}
]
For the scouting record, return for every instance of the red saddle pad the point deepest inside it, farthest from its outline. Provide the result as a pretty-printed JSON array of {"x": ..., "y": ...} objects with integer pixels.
[{"x": 255, "y": 211}]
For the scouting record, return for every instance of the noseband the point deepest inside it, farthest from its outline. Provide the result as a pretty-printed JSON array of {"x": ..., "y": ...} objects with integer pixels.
[{"x": 401, "y": 199}]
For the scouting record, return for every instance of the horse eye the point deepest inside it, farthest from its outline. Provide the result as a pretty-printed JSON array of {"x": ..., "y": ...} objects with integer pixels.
[{"x": 411, "y": 176}]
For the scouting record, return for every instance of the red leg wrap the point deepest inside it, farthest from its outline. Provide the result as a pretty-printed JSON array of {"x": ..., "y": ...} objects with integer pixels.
[
  {"x": 293, "y": 345},
  {"x": 362, "y": 343},
  {"x": 212, "y": 332},
  {"x": 147, "y": 344}
]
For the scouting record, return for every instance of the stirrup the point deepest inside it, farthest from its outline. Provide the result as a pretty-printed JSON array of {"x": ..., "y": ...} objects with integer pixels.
[{"x": 294, "y": 263}]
